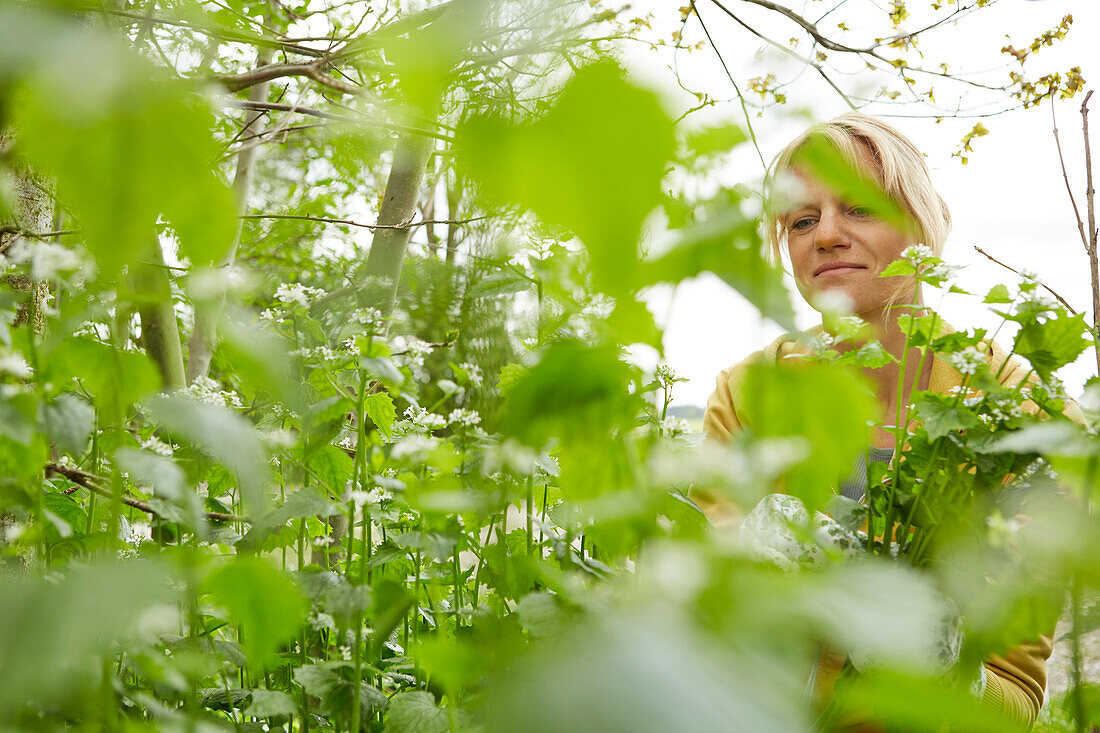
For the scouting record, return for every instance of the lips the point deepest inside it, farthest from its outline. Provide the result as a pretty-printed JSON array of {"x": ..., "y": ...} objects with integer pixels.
[{"x": 838, "y": 268}]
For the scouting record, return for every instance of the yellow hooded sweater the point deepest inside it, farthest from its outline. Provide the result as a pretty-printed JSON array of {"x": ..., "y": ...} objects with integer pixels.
[{"x": 1016, "y": 681}]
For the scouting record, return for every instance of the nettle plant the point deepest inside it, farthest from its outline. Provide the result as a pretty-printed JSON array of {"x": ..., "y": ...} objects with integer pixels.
[{"x": 361, "y": 521}]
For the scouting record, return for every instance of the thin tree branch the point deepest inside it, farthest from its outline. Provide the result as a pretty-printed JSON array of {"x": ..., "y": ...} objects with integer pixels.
[
  {"x": 349, "y": 222},
  {"x": 310, "y": 112},
  {"x": 1090, "y": 207},
  {"x": 807, "y": 26},
  {"x": 1013, "y": 269},
  {"x": 91, "y": 482},
  {"x": 312, "y": 70},
  {"x": 1065, "y": 176}
]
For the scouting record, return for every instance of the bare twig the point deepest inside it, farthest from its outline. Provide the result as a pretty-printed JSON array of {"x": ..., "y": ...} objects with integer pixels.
[
  {"x": 92, "y": 482},
  {"x": 1065, "y": 176},
  {"x": 1090, "y": 207},
  {"x": 349, "y": 222},
  {"x": 1013, "y": 269}
]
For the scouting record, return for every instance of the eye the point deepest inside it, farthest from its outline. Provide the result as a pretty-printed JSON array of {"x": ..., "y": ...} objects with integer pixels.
[
  {"x": 860, "y": 212},
  {"x": 804, "y": 222}
]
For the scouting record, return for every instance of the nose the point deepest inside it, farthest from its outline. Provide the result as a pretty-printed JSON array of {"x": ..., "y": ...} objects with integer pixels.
[{"x": 830, "y": 231}]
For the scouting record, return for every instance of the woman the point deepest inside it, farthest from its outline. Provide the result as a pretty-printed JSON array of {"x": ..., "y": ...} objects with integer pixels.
[{"x": 838, "y": 248}]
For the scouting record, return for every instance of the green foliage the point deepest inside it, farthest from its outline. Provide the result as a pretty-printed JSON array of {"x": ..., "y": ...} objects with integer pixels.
[
  {"x": 563, "y": 176},
  {"x": 474, "y": 514}
]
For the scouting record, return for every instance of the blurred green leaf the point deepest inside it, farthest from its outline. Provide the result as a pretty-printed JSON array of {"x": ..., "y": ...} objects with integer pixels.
[
  {"x": 53, "y": 634},
  {"x": 598, "y": 175},
  {"x": 113, "y": 377},
  {"x": 416, "y": 712},
  {"x": 263, "y": 600},
  {"x": 828, "y": 406},
  {"x": 713, "y": 139},
  {"x": 941, "y": 416},
  {"x": 68, "y": 422},
  {"x": 729, "y": 246},
  {"x": 821, "y": 159},
  {"x": 271, "y": 703},
  {"x": 125, "y": 143},
  {"x": 574, "y": 393},
  {"x": 225, "y": 436}
]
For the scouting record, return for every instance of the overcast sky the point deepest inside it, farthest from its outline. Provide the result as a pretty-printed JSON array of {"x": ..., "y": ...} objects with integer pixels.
[{"x": 1011, "y": 199}]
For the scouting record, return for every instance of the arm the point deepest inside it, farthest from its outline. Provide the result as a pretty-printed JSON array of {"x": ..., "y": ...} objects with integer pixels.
[
  {"x": 1015, "y": 683},
  {"x": 720, "y": 422}
]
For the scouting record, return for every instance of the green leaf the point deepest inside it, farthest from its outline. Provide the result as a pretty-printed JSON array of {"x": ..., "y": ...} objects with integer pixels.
[
  {"x": 714, "y": 139},
  {"x": 166, "y": 478},
  {"x": 416, "y": 712},
  {"x": 299, "y": 505},
  {"x": 54, "y": 635},
  {"x": 940, "y": 417},
  {"x": 729, "y": 246},
  {"x": 332, "y": 466},
  {"x": 849, "y": 183},
  {"x": 379, "y": 408},
  {"x": 16, "y": 421},
  {"x": 499, "y": 283},
  {"x": 1050, "y": 345},
  {"x": 113, "y": 377},
  {"x": 899, "y": 268},
  {"x": 1049, "y": 438},
  {"x": 997, "y": 294},
  {"x": 827, "y": 406},
  {"x": 68, "y": 422},
  {"x": 598, "y": 175},
  {"x": 324, "y": 419},
  {"x": 575, "y": 393},
  {"x": 227, "y": 437},
  {"x": 271, "y": 703},
  {"x": 67, "y": 516},
  {"x": 263, "y": 600},
  {"x": 125, "y": 147}
]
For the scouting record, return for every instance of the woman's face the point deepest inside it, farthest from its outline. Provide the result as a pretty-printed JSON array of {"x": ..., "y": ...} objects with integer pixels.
[{"x": 835, "y": 246}]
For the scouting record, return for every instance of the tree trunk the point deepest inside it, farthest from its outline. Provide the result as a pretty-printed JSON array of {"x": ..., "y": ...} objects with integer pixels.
[
  {"x": 403, "y": 188},
  {"x": 160, "y": 334},
  {"x": 200, "y": 349},
  {"x": 33, "y": 212}
]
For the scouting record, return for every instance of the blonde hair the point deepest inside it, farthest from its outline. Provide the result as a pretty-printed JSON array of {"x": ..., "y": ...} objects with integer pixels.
[{"x": 899, "y": 170}]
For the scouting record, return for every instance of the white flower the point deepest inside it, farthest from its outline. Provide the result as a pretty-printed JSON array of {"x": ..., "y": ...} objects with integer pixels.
[
  {"x": 358, "y": 496},
  {"x": 425, "y": 419},
  {"x": 675, "y": 426},
  {"x": 209, "y": 392},
  {"x": 414, "y": 447},
  {"x": 15, "y": 365},
  {"x": 459, "y": 415},
  {"x": 156, "y": 445},
  {"x": 1037, "y": 300},
  {"x": 278, "y": 439},
  {"x": 966, "y": 361},
  {"x": 271, "y": 314},
  {"x": 833, "y": 302},
  {"x": 290, "y": 293},
  {"x": 473, "y": 372},
  {"x": 345, "y": 653},
  {"x": 47, "y": 259},
  {"x": 1028, "y": 275},
  {"x": 917, "y": 253},
  {"x": 370, "y": 317}
]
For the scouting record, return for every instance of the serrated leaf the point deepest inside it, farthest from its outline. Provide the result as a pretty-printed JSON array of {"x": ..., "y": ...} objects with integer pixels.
[
  {"x": 271, "y": 703},
  {"x": 379, "y": 408},
  {"x": 499, "y": 283},
  {"x": 332, "y": 467},
  {"x": 899, "y": 268},
  {"x": 940, "y": 416},
  {"x": 68, "y": 421},
  {"x": 997, "y": 294},
  {"x": 416, "y": 712}
]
